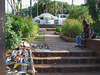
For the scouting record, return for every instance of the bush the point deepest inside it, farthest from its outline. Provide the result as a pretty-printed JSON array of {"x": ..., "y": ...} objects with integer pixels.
[
  {"x": 16, "y": 28},
  {"x": 30, "y": 29},
  {"x": 58, "y": 29},
  {"x": 13, "y": 37},
  {"x": 96, "y": 27},
  {"x": 72, "y": 28}
]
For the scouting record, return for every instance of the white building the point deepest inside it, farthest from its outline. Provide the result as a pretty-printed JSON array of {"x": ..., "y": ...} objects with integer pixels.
[{"x": 45, "y": 18}]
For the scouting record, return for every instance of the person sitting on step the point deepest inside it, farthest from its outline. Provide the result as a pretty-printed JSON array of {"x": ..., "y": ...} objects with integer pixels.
[{"x": 87, "y": 34}]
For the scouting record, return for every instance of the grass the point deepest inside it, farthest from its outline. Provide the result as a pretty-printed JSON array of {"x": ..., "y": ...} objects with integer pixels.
[{"x": 39, "y": 37}]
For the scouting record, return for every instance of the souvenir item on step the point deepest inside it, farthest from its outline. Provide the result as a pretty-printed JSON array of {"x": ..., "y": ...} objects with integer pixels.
[{"x": 42, "y": 47}]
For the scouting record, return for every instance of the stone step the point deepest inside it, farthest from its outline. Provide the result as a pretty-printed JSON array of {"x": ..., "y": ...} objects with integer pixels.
[
  {"x": 61, "y": 53},
  {"x": 47, "y": 26},
  {"x": 78, "y": 73},
  {"x": 65, "y": 60},
  {"x": 66, "y": 68}
]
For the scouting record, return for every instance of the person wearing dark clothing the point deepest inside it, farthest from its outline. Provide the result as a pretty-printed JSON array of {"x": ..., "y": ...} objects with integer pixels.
[{"x": 87, "y": 34}]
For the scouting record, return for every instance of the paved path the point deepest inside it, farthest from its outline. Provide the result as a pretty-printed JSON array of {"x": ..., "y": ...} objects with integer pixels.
[{"x": 56, "y": 43}]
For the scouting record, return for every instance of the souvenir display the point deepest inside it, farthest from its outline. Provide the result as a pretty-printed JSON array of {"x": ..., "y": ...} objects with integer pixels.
[{"x": 20, "y": 62}]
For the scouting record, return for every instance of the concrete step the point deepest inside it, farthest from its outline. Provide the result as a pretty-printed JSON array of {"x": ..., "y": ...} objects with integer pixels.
[
  {"x": 47, "y": 26},
  {"x": 65, "y": 60},
  {"x": 78, "y": 73},
  {"x": 66, "y": 68},
  {"x": 62, "y": 53}
]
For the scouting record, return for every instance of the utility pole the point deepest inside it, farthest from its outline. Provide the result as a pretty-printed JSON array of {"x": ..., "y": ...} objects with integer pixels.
[
  {"x": 62, "y": 12},
  {"x": 21, "y": 8},
  {"x": 30, "y": 8},
  {"x": 37, "y": 7},
  {"x": 2, "y": 38},
  {"x": 62, "y": 6},
  {"x": 72, "y": 4}
]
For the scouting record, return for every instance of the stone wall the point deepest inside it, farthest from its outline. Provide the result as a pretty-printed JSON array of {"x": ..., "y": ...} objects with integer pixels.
[
  {"x": 93, "y": 44},
  {"x": 68, "y": 39}
]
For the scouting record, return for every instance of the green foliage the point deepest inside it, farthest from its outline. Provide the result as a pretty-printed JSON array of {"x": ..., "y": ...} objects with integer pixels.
[
  {"x": 66, "y": 8},
  {"x": 25, "y": 12},
  {"x": 16, "y": 28},
  {"x": 78, "y": 11},
  {"x": 30, "y": 29},
  {"x": 96, "y": 27},
  {"x": 13, "y": 39},
  {"x": 53, "y": 7},
  {"x": 72, "y": 28},
  {"x": 39, "y": 37},
  {"x": 58, "y": 29},
  {"x": 93, "y": 10}
]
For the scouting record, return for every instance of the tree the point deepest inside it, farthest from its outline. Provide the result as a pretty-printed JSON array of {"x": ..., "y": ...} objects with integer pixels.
[
  {"x": 15, "y": 6},
  {"x": 48, "y": 6},
  {"x": 2, "y": 38},
  {"x": 78, "y": 11},
  {"x": 12, "y": 4},
  {"x": 66, "y": 8},
  {"x": 93, "y": 10},
  {"x": 43, "y": 6},
  {"x": 53, "y": 8}
]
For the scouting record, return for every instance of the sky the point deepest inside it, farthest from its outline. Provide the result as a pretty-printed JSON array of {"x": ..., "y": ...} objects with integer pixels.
[
  {"x": 26, "y": 3},
  {"x": 76, "y": 2}
]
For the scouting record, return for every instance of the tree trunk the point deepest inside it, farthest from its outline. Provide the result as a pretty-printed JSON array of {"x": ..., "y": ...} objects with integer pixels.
[
  {"x": 30, "y": 8},
  {"x": 2, "y": 38},
  {"x": 21, "y": 9}
]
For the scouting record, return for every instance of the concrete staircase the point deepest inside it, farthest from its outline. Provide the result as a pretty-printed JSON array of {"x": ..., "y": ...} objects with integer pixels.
[{"x": 63, "y": 62}]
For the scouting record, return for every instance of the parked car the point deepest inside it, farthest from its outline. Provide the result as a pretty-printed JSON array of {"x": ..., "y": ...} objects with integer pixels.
[{"x": 61, "y": 18}]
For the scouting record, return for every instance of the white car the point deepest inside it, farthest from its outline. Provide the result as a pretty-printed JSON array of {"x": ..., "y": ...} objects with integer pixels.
[{"x": 61, "y": 18}]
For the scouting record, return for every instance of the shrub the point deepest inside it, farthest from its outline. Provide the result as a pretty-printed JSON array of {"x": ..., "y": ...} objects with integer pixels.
[
  {"x": 16, "y": 28},
  {"x": 72, "y": 28},
  {"x": 58, "y": 29},
  {"x": 96, "y": 27},
  {"x": 30, "y": 28},
  {"x": 13, "y": 39}
]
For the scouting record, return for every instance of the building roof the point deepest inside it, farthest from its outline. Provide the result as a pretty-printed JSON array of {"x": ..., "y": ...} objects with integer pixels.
[{"x": 45, "y": 15}]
